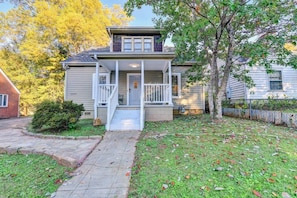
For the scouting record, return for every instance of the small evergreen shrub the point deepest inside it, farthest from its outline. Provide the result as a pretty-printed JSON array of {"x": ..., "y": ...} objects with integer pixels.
[{"x": 56, "y": 116}]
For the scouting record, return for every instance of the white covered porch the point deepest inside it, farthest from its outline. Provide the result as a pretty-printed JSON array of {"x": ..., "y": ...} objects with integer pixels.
[{"x": 133, "y": 88}]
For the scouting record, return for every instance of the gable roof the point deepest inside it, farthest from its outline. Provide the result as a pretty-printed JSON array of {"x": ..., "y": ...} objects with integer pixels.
[
  {"x": 132, "y": 29},
  {"x": 9, "y": 81},
  {"x": 84, "y": 57}
]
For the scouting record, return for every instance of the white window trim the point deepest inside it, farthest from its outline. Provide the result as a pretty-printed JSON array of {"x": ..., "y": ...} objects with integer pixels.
[
  {"x": 178, "y": 83},
  {"x": 269, "y": 80},
  {"x": 137, "y": 37},
  {"x": 2, "y": 101}
]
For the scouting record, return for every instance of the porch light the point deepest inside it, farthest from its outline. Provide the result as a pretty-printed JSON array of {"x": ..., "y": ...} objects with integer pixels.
[{"x": 134, "y": 65}]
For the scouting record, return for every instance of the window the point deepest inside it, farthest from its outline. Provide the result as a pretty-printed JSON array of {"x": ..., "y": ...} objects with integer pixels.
[
  {"x": 3, "y": 100},
  {"x": 127, "y": 45},
  {"x": 275, "y": 80},
  {"x": 176, "y": 84},
  {"x": 138, "y": 44}
]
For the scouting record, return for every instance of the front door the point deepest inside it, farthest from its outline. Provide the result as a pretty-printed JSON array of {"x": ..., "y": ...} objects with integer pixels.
[{"x": 134, "y": 89}]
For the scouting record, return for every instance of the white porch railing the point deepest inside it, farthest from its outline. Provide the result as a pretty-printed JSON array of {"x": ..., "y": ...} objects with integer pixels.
[
  {"x": 104, "y": 92},
  {"x": 112, "y": 104},
  {"x": 156, "y": 93}
]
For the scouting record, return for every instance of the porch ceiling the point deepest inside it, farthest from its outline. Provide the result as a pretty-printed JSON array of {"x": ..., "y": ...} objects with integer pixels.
[{"x": 135, "y": 64}]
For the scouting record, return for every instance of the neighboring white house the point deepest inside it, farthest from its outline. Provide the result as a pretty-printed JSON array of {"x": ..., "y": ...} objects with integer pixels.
[
  {"x": 280, "y": 84},
  {"x": 132, "y": 81}
]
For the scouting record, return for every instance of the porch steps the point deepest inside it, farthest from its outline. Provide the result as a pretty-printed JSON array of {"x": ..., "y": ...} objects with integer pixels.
[{"x": 125, "y": 120}]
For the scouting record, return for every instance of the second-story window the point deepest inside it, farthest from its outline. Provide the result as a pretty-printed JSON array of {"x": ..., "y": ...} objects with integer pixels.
[{"x": 137, "y": 44}]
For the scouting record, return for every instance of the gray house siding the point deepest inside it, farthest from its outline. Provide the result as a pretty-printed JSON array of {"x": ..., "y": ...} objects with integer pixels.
[
  {"x": 235, "y": 89},
  {"x": 192, "y": 96},
  {"x": 78, "y": 87},
  {"x": 261, "y": 90}
]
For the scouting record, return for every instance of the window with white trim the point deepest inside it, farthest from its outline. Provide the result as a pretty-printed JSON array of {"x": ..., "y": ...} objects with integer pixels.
[
  {"x": 275, "y": 80},
  {"x": 176, "y": 84},
  {"x": 3, "y": 100},
  {"x": 137, "y": 44}
]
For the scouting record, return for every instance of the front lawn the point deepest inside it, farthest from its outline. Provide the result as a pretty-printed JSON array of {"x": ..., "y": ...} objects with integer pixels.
[
  {"x": 84, "y": 128},
  {"x": 193, "y": 157},
  {"x": 30, "y": 175}
]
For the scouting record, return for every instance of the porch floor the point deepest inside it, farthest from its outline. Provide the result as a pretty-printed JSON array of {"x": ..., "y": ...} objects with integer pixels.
[{"x": 124, "y": 120}]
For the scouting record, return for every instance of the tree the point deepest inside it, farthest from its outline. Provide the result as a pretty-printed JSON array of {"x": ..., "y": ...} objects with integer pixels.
[
  {"x": 38, "y": 34},
  {"x": 219, "y": 33}
]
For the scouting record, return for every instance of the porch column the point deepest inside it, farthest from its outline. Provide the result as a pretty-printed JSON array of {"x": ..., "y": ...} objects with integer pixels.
[
  {"x": 142, "y": 97},
  {"x": 170, "y": 82},
  {"x": 96, "y": 91},
  {"x": 142, "y": 79},
  {"x": 117, "y": 79}
]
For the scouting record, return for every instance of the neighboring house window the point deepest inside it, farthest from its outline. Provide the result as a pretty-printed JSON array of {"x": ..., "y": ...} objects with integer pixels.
[
  {"x": 3, "y": 100},
  {"x": 176, "y": 84},
  {"x": 137, "y": 44},
  {"x": 275, "y": 80}
]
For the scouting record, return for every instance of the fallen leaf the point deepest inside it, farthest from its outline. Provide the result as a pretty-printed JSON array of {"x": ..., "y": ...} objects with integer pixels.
[
  {"x": 285, "y": 195},
  {"x": 257, "y": 193},
  {"x": 219, "y": 169},
  {"x": 274, "y": 194},
  {"x": 270, "y": 180},
  {"x": 219, "y": 188},
  {"x": 164, "y": 186},
  {"x": 127, "y": 174},
  {"x": 172, "y": 183},
  {"x": 58, "y": 181},
  {"x": 273, "y": 174},
  {"x": 205, "y": 188}
]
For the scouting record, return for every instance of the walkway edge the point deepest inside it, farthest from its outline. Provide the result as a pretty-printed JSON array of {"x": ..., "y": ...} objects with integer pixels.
[{"x": 26, "y": 132}]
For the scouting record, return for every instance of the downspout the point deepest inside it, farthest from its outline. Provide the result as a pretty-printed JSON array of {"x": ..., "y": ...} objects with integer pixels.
[{"x": 96, "y": 90}]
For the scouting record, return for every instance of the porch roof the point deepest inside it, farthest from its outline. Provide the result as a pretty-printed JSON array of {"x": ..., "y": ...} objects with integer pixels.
[{"x": 132, "y": 61}]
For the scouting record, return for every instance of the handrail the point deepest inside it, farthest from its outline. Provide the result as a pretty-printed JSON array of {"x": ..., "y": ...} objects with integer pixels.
[
  {"x": 111, "y": 106},
  {"x": 156, "y": 93},
  {"x": 104, "y": 92}
]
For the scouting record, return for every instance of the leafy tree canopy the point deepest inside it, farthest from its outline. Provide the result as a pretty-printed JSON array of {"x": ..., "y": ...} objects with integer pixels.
[
  {"x": 221, "y": 35},
  {"x": 38, "y": 34}
]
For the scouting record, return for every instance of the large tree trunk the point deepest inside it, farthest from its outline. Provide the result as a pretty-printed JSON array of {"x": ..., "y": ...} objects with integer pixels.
[{"x": 210, "y": 100}]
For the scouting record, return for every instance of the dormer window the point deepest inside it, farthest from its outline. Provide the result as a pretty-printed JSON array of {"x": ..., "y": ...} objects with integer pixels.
[{"x": 137, "y": 44}]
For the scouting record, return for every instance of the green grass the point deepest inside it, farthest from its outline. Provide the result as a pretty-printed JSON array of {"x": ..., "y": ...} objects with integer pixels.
[
  {"x": 194, "y": 157},
  {"x": 30, "y": 175},
  {"x": 84, "y": 128}
]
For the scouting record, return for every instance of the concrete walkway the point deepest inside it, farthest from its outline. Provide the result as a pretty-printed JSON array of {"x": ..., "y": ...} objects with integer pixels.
[
  {"x": 103, "y": 173},
  {"x": 69, "y": 153},
  {"x": 106, "y": 171}
]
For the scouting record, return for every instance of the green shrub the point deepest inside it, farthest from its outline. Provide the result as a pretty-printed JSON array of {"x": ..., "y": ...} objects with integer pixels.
[{"x": 56, "y": 116}]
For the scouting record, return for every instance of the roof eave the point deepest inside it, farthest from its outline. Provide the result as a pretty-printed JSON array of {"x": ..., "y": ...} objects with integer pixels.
[{"x": 113, "y": 55}]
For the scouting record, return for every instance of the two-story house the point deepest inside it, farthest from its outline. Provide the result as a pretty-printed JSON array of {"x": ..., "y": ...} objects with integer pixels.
[{"x": 132, "y": 81}]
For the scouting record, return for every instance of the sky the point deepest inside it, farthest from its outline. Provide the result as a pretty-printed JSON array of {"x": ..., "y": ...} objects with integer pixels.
[{"x": 142, "y": 17}]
